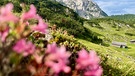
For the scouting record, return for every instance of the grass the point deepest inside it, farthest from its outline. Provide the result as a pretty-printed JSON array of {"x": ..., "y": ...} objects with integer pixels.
[
  {"x": 117, "y": 60},
  {"x": 130, "y": 50},
  {"x": 108, "y": 32}
]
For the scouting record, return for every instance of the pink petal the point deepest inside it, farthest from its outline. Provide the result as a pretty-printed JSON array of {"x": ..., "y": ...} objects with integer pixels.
[
  {"x": 56, "y": 68},
  {"x": 30, "y": 47},
  {"x": 7, "y": 9},
  {"x": 24, "y": 47},
  {"x": 97, "y": 72},
  {"x": 30, "y": 14},
  {"x": 51, "y": 48},
  {"x": 83, "y": 54},
  {"x": 19, "y": 46},
  {"x": 61, "y": 52},
  {"x": 94, "y": 59},
  {"x": 57, "y": 58},
  {"x": 41, "y": 27},
  {"x": 78, "y": 66},
  {"x": 6, "y": 14},
  {"x": 67, "y": 69}
]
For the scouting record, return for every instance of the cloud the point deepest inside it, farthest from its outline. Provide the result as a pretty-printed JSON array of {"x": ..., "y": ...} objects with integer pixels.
[{"x": 114, "y": 7}]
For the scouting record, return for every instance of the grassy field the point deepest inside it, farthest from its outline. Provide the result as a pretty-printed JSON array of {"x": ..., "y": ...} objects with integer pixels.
[
  {"x": 121, "y": 64},
  {"x": 120, "y": 59},
  {"x": 112, "y": 31},
  {"x": 130, "y": 50}
]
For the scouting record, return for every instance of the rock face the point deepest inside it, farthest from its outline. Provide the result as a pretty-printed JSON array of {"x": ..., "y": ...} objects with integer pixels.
[{"x": 85, "y": 8}]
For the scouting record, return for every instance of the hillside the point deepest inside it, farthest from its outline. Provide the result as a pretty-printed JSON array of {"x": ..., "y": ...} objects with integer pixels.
[
  {"x": 128, "y": 18},
  {"x": 54, "y": 13},
  {"x": 103, "y": 31},
  {"x": 96, "y": 34},
  {"x": 111, "y": 30}
]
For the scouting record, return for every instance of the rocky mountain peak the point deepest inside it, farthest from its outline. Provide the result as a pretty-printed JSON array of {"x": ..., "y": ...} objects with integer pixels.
[{"x": 85, "y": 8}]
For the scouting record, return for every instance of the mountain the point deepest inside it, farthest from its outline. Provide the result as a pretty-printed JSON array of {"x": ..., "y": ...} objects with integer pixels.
[{"x": 85, "y": 8}]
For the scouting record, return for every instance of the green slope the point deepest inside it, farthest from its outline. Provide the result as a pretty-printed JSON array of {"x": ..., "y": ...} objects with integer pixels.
[
  {"x": 102, "y": 31},
  {"x": 128, "y": 18},
  {"x": 114, "y": 63},
  {"x": 111, "y": 30}
]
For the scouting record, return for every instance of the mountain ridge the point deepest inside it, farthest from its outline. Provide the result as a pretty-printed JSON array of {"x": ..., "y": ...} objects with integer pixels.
[{"x": 85, "y": 8}]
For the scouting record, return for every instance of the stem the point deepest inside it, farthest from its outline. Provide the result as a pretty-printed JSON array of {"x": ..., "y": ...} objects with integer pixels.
[
  {"x": 44, "y": 71},
  {"x": 75, "y": 73}
]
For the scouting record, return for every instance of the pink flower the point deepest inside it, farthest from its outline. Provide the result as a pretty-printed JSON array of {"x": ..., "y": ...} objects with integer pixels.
[
  {"x": 82, "y": 61},
  {"x": 24, "y": 47},
  {"x": 6, "y": 14},
  {"x": 27, "y": 23},
  {"x": 94, "y": 72},
  {"x": 51, "y": 48},
  {"x": 4, "y": 34},
  {"x": 41, "y": 27},
  {"x": 89, "y": 62},
  {"x": 30, "y": 14},
  {"x": 57, "y": 59}
]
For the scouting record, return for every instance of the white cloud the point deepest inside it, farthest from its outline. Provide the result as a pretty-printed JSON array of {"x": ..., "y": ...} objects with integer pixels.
[{"x": 130, "y": 11}]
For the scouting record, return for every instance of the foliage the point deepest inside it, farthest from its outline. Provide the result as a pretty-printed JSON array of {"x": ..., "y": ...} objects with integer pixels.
[
  {"x": 62, "y": 17},
  {"x": 22, "y": 54},
  {"x": 95, "y": 30},
  {"x": 110, "y": 30},
  {"x": 127, "y": 18}
]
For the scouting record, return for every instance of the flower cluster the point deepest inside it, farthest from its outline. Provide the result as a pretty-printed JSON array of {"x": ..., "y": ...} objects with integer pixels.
[
  {"x": 55, "y": 58},
  {"x": 30, "y": 14},
  {"x": 89, "y": 62},
  {"x": 24, "y": 47},
  {"x": 6, "y": 14}
]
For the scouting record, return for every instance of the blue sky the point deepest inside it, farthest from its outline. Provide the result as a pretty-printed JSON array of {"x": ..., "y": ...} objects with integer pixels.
[{"x": 117, "y": 7}]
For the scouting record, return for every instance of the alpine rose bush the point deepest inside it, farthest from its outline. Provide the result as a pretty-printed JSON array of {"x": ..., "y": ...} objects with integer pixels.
[
  {"x": 52, "y": 60},
  {"x": 88, "y": 62},
  {"x": 6, "y": 14},
  {"x": 24, "y": 47},
  {"x": 57, "y": 58},
  {"x": 30, "y": 14}
]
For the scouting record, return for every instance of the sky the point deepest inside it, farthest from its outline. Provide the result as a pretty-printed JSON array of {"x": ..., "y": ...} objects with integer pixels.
[{"x": 117, "y": 7}]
